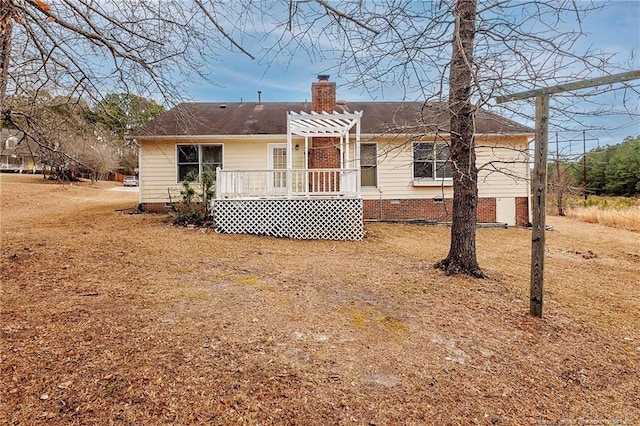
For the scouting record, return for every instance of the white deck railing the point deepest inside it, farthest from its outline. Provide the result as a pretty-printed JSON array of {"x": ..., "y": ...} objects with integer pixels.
[{"x": 293, "y": 183}]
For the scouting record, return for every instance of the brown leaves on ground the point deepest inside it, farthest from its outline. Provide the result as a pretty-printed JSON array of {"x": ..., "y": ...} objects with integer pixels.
[{"x": 114, "y": 318}]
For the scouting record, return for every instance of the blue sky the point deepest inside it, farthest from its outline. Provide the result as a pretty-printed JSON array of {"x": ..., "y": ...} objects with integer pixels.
[{"x": 616, "y": 28}]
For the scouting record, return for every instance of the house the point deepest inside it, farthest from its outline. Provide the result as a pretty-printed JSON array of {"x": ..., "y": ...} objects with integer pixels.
[
  {"x": 14, "y": 156},
  {"x": 318, "y": 169}
]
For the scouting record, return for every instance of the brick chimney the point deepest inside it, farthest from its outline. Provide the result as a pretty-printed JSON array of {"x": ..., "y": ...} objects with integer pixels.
[
  {"x": 323, "y": 95},
  {"x": 324, "y": 153}
]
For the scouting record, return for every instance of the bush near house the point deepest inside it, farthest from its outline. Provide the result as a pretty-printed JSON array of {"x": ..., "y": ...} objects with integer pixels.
[{"x": 196, "y": 193}]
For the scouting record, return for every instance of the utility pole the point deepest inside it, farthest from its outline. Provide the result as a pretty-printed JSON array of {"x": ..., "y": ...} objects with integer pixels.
[
  {"x": 558, "y": 182},
  {"x": 539, "y": 177}
]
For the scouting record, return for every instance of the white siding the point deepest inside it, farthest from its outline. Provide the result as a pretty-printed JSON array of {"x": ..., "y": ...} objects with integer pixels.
[
  {"x": 395, "y": 176},
  {"x": 157, "y": 171},
  {"x": 158, "y": 163},
  {"x": 503, "y": 167},
  {"x": 502, "y": 161}
]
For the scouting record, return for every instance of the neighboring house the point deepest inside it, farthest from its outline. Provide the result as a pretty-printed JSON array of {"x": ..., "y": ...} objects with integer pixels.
[
  {"x": 15, "y": 157},
  {"x": 291, "y": 169}
]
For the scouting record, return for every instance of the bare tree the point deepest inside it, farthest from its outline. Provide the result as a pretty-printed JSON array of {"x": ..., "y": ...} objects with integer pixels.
[
  {"x": 462, "y": 251},
  {"x": 6, "y": 29},
  {"x": 66, "y": 138},
  {"x": 561, "y": 185},
  {"x": 97, "y": 154},
  {"x": 84, "y": 49},
  {"x": 455, "y": 52}
]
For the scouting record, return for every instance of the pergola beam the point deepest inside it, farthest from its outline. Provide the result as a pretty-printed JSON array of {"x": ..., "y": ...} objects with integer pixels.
[
  {"x": 332, "y": 125},
  {"x": 322, "y": 124}
]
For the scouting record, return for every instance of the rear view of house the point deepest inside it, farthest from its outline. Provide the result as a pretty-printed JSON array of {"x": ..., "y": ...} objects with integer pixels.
[{"x": 319, "y": 169}]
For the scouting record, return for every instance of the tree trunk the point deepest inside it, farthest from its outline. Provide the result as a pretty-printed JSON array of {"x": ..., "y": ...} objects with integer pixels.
[
  {"x": 462, "y": 252},
  {"x": 6, "y": 26}
]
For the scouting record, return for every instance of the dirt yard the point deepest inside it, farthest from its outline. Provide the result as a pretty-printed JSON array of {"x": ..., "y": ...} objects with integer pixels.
[{"x": 116, "y": 318}]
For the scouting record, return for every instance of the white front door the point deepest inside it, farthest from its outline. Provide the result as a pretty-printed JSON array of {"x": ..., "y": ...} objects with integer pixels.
[{"x": 278, "y": 166}]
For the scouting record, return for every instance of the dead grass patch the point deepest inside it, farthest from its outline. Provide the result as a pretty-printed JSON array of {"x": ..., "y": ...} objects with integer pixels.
[
  {"x": 628, "y": 218},
  {"x": 620, "y": 212},
  {"x": 113, "y": 318}
]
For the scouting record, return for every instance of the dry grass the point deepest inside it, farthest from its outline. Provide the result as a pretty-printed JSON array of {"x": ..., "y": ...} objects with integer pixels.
[
  {"x": 111, "y": 318},
  {"x": 619, "y": 212}
]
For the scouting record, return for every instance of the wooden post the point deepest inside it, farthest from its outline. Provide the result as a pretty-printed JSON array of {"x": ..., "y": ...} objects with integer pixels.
[
  {"x": 539, "y": 189},
  {"x": 557, "y": 161},
  {"x": 539, "y": 178},
  {"x": 584, "y": 165}
]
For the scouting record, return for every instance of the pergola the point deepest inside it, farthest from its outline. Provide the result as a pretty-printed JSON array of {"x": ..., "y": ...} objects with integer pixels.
[
  {"x": 322, "y": 203},
  {"x": 330, "y": 125}
]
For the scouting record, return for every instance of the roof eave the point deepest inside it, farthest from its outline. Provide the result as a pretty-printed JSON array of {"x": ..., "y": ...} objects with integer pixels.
[
  {"x": 203, "y": 137},
  {"x": 278, "y": 135},
  {"x": 443, "y": 133}
]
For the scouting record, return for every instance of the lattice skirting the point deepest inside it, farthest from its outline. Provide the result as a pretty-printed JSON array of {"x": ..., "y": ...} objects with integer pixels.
[{"x": 308, "y": 219}]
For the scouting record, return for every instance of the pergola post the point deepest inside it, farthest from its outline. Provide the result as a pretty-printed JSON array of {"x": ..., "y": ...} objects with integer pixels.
[{"x": 289, "y": 157}]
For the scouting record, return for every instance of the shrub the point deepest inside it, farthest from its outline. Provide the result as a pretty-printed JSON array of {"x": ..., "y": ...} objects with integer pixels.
[
  {"x": 189, "y": 217},
  {"x": 197, "y": 192}
]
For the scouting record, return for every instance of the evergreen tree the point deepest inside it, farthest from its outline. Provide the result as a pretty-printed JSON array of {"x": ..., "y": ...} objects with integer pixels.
[
  {"x": 623, "y": 169},
  {"x": 612, "y": 170}
]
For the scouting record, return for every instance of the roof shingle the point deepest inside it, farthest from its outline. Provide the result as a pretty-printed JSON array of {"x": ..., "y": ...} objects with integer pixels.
[{"x": 270, "y": 118}]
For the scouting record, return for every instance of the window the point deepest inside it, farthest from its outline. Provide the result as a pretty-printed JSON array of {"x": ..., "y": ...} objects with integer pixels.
[
  {"x": 431, "y": 161},
  {"x": 368, "y": 164},
  {"x": 198, "y": 159}
]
